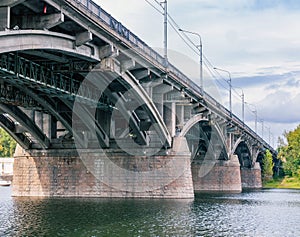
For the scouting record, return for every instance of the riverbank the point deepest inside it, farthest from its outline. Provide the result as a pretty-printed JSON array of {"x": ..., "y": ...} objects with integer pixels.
[{"x": 285, "y": 182}]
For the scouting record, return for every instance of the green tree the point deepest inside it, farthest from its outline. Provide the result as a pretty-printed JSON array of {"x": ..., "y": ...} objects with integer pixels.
[
  {"x": 290, "y": 153},
  {"x": 267, "y": 171},
  {"x": 7, "y": 144}
]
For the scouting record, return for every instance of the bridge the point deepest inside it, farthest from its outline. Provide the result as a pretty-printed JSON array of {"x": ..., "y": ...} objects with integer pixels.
[{"x": 97, "y": 112}]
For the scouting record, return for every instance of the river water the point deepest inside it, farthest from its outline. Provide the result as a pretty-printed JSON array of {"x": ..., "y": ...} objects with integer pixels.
[{"x": 271, "y": 212}]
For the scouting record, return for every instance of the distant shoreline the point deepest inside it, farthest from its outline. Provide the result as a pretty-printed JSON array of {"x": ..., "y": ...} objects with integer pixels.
[{"x": 283, "y": 183}]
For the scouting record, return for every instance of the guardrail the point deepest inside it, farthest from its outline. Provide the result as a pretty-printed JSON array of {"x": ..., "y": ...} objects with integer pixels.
[{"x": 125, "y": 33}]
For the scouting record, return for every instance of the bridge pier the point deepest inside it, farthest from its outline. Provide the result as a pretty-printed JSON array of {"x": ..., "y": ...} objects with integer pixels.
[
  {"x": 251, "y": 177},
  {"x": 217, "y": 175},
  {"x": 94, "y": 173}
]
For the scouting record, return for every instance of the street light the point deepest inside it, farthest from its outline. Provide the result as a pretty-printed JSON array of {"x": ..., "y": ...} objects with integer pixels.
[
  {"x": 230, "y": 87},
  {"x": 262, "y": 128},
  {"x": 199, "y": 47},
  {"x": 255, "y": 113},
  {"x": 243, "y": 103},
  {"x": 269, "y": 128},
  {"x": 165, "y": 32}
]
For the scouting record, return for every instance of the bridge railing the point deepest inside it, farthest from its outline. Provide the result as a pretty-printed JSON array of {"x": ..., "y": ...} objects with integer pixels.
[{"x": 125, "y": 33}]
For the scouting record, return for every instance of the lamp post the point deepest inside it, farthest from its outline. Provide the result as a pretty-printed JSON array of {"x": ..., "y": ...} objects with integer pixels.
[
  {"x": 269, "y": 128},
  {"x": 255, "y": 113},
  {"x": 230, "y": 88},
  {"x": 199, "y": 47},
  {"x": 243, "y": 104},
  {"x": 262, "y": 128},
  {"x": 165, "y": 32}
]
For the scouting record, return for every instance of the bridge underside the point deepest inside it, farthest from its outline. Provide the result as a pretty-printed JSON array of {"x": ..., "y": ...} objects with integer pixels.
[{"x": 97, "y": 113}]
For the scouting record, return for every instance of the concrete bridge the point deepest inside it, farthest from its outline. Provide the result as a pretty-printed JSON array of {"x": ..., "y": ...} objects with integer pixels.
[{"x": 96, "y": 111}]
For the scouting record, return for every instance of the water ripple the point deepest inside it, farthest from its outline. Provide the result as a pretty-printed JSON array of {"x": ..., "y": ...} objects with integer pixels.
[{"x": 262, "y": 213}]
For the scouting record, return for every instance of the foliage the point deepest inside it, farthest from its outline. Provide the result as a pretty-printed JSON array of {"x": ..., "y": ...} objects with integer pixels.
[
  {"x": 290, "y": 153},
  {"x": 7, "y": 144},
  {"x": 283, "y": 182},
  {"x": 267, "y": 171}
]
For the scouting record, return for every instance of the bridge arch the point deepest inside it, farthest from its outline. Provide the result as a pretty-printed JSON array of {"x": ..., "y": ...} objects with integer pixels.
[
  {"x": 205, "y": 139},
  {"x": 110, "y": 70},
  {"x": 243, "y": 150},
  {"x": 29, "y": 40}
]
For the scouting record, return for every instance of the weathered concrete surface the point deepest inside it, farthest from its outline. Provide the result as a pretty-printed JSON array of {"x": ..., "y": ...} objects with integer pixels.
[
  {"x": 217, "y": 175},
  {"x": 251, "y": 178},
  {"x": 63, "y": 173}
]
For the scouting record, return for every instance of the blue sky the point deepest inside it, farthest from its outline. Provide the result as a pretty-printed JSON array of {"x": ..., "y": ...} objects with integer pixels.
[{"x": 258, "y": 41}]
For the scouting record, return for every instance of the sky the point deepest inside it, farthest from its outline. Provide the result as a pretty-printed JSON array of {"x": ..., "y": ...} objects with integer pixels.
[{"x": 257, "y": 41}]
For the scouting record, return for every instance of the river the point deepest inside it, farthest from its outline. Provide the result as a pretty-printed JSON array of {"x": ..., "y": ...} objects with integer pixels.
[{"x": 272, "y": 212}]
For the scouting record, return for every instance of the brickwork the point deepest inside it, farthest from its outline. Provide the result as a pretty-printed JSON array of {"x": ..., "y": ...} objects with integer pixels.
[
  {"x": 220, "y": 176},
  {"x": 63, "y": 173},
  {"x": 251, "y": 178}
]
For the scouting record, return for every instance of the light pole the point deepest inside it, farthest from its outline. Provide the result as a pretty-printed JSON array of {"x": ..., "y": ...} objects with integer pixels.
[
  {"x": 199, "y": 47},
  {"x": 269, "y": 128},
  {"x": 243, "y": 104},
  {"x": 262, "y": 128},
  {"x": 230, "y": 88},
  {"x": 255, "y": 113},
  {"x": 165, "y": 32}
]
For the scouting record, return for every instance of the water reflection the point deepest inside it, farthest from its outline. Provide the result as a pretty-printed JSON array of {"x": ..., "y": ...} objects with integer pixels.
[{"x": 263, "y": 213}]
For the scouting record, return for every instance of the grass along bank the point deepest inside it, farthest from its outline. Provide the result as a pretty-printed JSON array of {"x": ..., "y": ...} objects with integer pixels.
[{"x": 286, "y": 182}]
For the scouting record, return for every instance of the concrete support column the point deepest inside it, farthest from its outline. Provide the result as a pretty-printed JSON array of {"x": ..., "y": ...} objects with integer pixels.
[
  {"x": 158, "y": 100},
  {"x": 148, "y": 88},
  {"x": 158, "y": 93},
  {"x": 52, "y": 127},
  {"x": 170, "y": 117},
  {"x": 251, "y": 178},
  {"x": 4, "y": 18},
  {"x": 39, "y": 120},
  {"x": 229, "y": 144},
  {"x": 104, "y": 120},
  {"x": 180, "y": 115}
]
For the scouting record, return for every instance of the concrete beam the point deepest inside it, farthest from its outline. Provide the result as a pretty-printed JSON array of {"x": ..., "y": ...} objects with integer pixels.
[
  {"x": 110, "y": 64},
  {"x": 11, "y": 3},
  {"x": 40, "y": 39},
  {"x": 83, "y": 38},
  {"x": 108, "y": 51},
  {"x": 127, "y": 65},
  {"x": 32, "y": 7},
  {"x": 42, "y": 21},
  {"x": 48, "y": 56},
  {"x": 162, "y": 89},
  {"x": 4, "y": 18},
  {"x": 141, "y": 73}
]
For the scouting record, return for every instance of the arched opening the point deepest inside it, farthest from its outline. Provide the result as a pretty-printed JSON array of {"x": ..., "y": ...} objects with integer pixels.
[
  {"x": 244, "y": 155},
  {"x": 260, "y": 158},
  {"x": 204, "y": 141},
  {"x": 211, "y": 168},
  {"x": 7, "y": 144}
]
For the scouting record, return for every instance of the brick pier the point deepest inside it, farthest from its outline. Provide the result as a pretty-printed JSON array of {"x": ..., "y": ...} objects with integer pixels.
[{"x": 94, "y": 173}]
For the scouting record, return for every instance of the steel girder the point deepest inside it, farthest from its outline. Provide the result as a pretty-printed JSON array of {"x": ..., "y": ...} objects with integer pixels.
[{"x": 27, "y": 123}]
